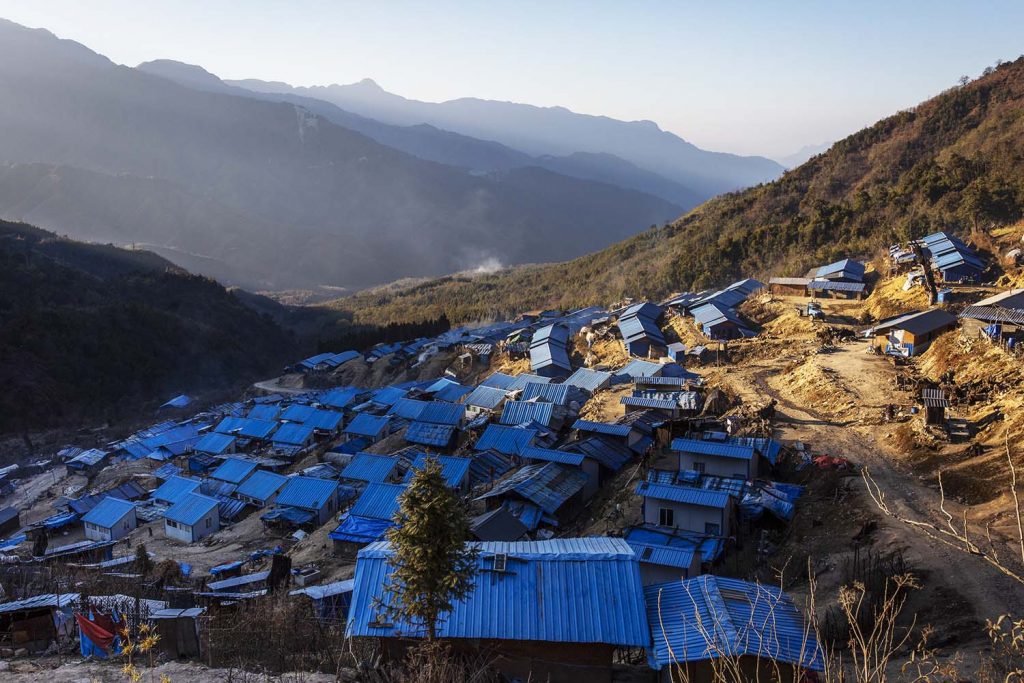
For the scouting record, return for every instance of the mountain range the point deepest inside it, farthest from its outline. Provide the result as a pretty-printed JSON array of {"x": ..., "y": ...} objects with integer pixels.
[
  {"x": 954, "y": 162},
  {"x": 275, "y": 190}
]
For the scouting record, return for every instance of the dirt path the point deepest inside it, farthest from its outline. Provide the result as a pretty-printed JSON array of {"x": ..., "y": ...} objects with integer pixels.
[{"x": 983, "y": 589}]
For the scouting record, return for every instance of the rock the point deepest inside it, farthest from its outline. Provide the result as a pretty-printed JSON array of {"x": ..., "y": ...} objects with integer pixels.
[
  {"x": 5, "y": 666},
  {"x": 6, "y": 652},
  {"x": 21, "y": 652}
]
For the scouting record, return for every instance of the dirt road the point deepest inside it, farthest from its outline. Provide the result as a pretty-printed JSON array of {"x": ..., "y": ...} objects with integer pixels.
[{"x": 984, "y": 591}]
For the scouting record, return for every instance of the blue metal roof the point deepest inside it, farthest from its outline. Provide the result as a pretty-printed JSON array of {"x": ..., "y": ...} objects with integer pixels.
[
  {"x": 485, "y": 397},
  {"x": 214, "y": 442},
  {"x": 190, "y": 509},
  {"x": 687, "y": 495},
  {"x": 326, "y": 420},
  {"x": 442, "y": 413},
  {"x": 87, "y": 458},
  {"x": 644, "y": 309},
  {"x": 546, "y": 485},
  {"x": 254, "y": 429},
  {"x": 589, "y": 380},
  {"x": 498, "y": 380},
  {"x": 551, "y": 455},
  {"x": 370, "y": 467},
  {"x": 378, "y": 501},
  {"x": 297, "y": 412},
  {"x": 666, "y": 556},
  {"x": 108, "y": 512},
  {"x": 579, "y": 590},
  {"x": 647, "y": 535},
  {"x": 365, "y": 424},
  {"x": 166, "y": 471},
  {"x": 522, "y": 380},
  {"x": 768, "y": 448},
  {"x": 620, "y": 430},
  {"x": 547, "y": 355},
  {"x": 711, "y": 616},
  {"x": 715, "y": 448},
  {"x": 427, "y": 434},
  {"x": 846, "y": 268},
  {"x": 294, "y": 434},
  {"x": 234, "y": 470},
  {"x": 829, "y": 286},
  {"x": 507, "y": 440},
  {"x": 634, "y": 329},
  {"x": 486, "y": 466},
  {"x": 558, "y": 394},
  {"x": 608, "y": 453},
  {"x": 174, "y": 489},
  {"x": 452, "y": 391},
  {"x": 639, "y": 368},
  {"x": 261, "y": 485},
  {"x": 264, "y": 411},
  {"x": 453, "y": 469},
  {"x": 519, "y": 412},
  {"x": 40, "y": 601},
  {"x": 556, "y": 333},
  {"x": 340, "y": 397},
  {"x": 409, "y": 408},
  {"x": 307, "y": 493},
  {"x": 388, "y": 395}
]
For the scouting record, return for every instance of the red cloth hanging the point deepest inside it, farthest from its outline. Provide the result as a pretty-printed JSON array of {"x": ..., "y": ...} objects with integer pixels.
[{"x": 101, "y": 630}]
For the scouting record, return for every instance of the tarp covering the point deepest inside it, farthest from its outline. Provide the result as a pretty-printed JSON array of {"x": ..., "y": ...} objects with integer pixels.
[{"x": 98, "y": 635}]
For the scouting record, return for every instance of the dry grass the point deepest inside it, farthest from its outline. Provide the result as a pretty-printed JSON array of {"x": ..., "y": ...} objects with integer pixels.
[
  {"x": 819, "y": 388},
  {"x": 888, "y": 298}
]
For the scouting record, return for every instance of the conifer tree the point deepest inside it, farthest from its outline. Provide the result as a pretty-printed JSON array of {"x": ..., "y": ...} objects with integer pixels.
[{"x": 432, "y": 566}]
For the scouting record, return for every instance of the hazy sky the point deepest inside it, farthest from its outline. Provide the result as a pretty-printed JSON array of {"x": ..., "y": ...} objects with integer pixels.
[{"x": 756, "y": 77}]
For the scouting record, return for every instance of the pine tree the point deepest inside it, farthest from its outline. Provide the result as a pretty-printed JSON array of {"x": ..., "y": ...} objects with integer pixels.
[{"x": 432, "y": 564}]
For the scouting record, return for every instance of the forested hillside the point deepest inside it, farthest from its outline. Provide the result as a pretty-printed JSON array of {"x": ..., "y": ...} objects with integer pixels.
[
  {"x": 953, "y": 162},
  {"x": 93, "y": 332}
]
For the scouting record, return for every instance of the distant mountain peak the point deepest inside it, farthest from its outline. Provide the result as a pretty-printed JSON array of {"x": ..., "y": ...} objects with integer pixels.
[
  {"x": 187, "y": 74},
  {"x": 368, "y": 84}
]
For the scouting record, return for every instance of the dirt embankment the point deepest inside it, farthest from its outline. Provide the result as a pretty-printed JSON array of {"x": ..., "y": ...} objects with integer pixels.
[
  {"x": 819, "y": 388},
  {"x": 888, "y": 298}
]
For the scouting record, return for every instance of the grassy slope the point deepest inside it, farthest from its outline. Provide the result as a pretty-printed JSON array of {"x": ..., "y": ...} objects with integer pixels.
[
  {"x": 90, "y": 331},
  {"x": 953, "y": 162}
]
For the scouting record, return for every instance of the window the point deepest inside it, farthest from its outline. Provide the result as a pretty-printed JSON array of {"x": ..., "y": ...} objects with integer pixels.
[
  {"x": 172, "y": 523},
  {"x": 667, "y": 517},
  {"x": 500, "y": 561},
  {"x": 208, "y": 522},
  {"x": 699, "y": 467},
  {"x": 712, "y": 529}
]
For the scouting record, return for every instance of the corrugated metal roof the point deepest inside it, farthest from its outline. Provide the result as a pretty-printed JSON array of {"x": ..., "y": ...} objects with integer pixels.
[
  {"x": 340, "y": 397},
  {"x": 546, "y": 485},
  {"x": 507, "y": 440},
  {"x": 370, "y": 467},
  {"x": 409, "y": 408},
  {"x": 453, "y": 391},
  {"x": 254, "y": 429},
  {"x": 293, "y": 434},
  {"x": 634, "y": 329},
  {"x": 934, "y": 398},
  {"x": 710, "y": 547},
  {"x": 619, "y": 430},
  {"x": 711, "y": 616},
  {"x": 88, "y": 458},
  {"x": 585, "y": 590},
  {"x": 551, "y": 334},
  {"x": 790, "y": 281},
  {"x": 518, "y": 412},
  {"x": 265, "y": 411},
  {"x": 108, "y": 512},
  {"x": 666, "y": 556},
  {"x": 486, "y": 466},
  {"x": 608, "y": 453},
  {"x": 830, "y": 286},
  {"x": 233, "y": 470},
  {"x": 683, "y": 494},
  {"x": 716, "y": 448},
  {"x": 551, "y": 455},
  {"x": 307, "y": 493},
  {"x": 378, "y": 501},
  {"x": 365, "y": 424},
  {"x": 236, "y": 581},
  {"x": 191, "y": 508},
  {"x": 639, "y": 368},
  {"x": 498, "y": 380},
  {"x": 297, "y": 412},
  {"x": 485, "y": 397},
  {"x": 174, "y": 489},
  {"x": 547, "y": 355},
  {"x": 388, "y": 396},
  {"x": 845, "y": 268},
  {"x": 994, "y": 314},
  {"x": 261, "y": 485},
  {"x": 442, "y": 413},
  {"x": 326, "y": 420},
  {"x": 520, "y": 382},
  {"x": 426, "y": 434},
  {"x": 453, "y": 469},
  {"x": 39, "y": 602},
  {"x": 589, "y": 380},
  {"x": 214, "y": 442},
  {"x": 558, "y": 394}
]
